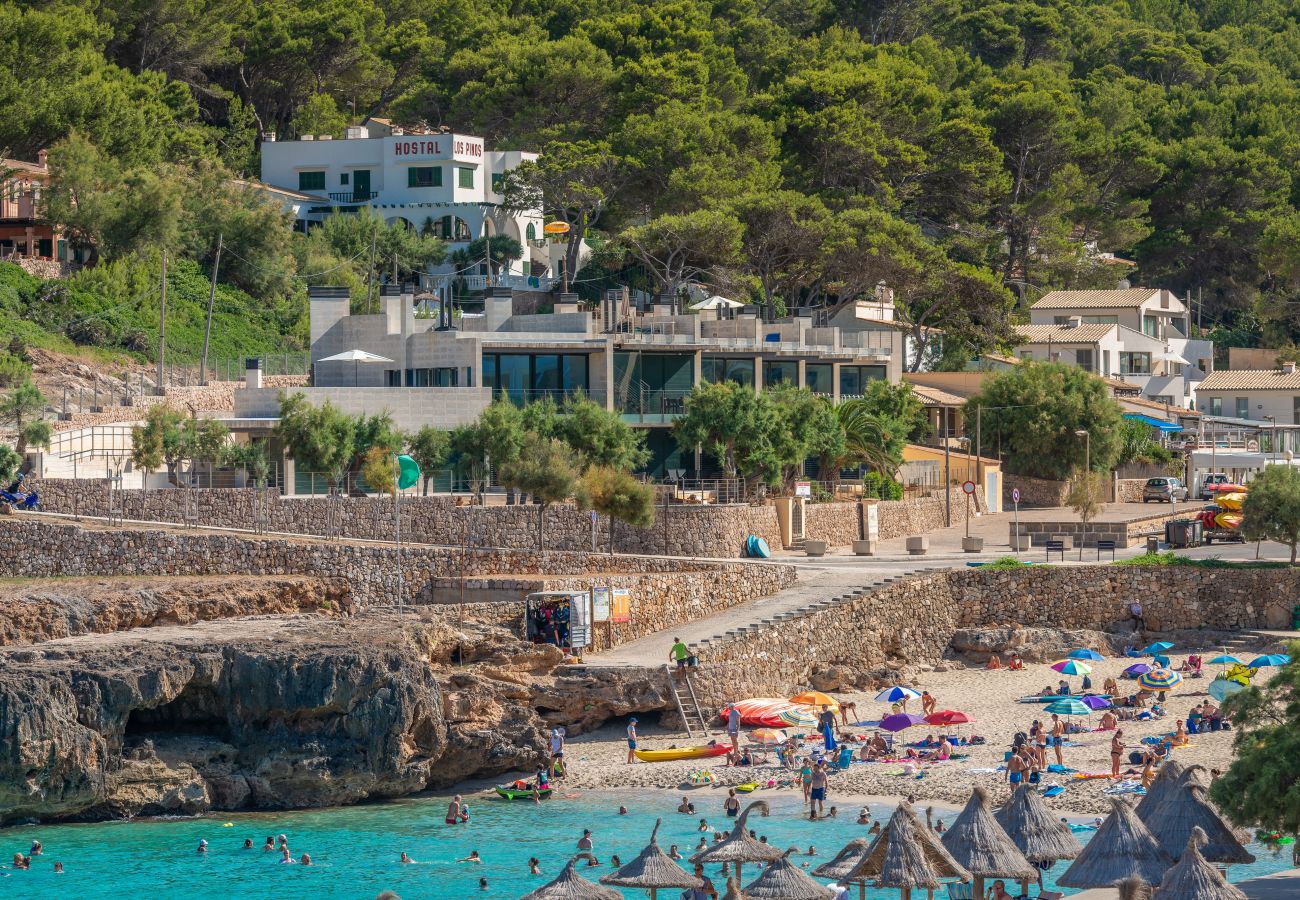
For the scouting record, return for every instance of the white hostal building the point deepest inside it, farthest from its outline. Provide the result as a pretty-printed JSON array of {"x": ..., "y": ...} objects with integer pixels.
[{"x": 443, "y": 182}]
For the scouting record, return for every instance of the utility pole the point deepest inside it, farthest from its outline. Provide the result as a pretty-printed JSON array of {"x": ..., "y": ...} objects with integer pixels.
[
  {"x": 162, "y": 323},
  {"x": 207, "y": 328},
  {"x": 370, "y": 273},
  {"x": 979, "y": 456},
  {"x": 947, "y": 484}
]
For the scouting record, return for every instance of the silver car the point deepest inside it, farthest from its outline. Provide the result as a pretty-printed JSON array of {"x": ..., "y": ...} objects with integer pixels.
[{"x": 1164, "y": 490}]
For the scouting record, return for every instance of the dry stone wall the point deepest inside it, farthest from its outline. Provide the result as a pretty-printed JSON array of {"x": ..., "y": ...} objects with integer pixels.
[
  {"x": 913, "y": 620},
  {"x": 665, "y": 591}
]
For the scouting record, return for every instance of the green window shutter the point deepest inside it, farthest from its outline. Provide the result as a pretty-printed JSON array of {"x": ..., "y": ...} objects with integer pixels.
[
  {"x": 466, "y": 177},
  {"x": 532, "y": 232},
  {"x": 311, "y": 181}
]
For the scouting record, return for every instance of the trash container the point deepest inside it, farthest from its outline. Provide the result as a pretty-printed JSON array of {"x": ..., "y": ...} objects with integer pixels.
[
  {"x": 1153, "y": 544},
  {"x": 1295, "y": 617},
  {"x": 1180, "y": 533}
]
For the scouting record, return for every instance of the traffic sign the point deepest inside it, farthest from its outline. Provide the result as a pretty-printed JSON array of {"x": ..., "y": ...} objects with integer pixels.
[
  {"x": 968, "y": 487},
  {"x": 1015, "y": 495}
]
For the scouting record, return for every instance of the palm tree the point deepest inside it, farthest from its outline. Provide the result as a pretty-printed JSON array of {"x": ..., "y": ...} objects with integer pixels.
[{"x": 869, "y": 440}]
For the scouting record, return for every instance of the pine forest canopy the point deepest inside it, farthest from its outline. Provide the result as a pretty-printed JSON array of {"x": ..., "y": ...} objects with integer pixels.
[{"x": 963, "y": 151}]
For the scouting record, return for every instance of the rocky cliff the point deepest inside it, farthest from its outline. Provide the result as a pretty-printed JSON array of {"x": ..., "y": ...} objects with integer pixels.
[{"x": 279, "y": 712}]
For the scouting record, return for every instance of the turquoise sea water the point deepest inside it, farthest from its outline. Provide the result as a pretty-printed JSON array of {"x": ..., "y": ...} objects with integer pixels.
[{"x": 355, "y": 850}]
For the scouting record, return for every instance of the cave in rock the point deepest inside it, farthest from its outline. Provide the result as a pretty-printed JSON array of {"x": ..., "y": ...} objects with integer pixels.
[{"x": 196, "y": 710}]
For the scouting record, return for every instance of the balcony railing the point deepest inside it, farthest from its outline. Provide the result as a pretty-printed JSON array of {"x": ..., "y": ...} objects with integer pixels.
[{"x": 354, "y": 196}]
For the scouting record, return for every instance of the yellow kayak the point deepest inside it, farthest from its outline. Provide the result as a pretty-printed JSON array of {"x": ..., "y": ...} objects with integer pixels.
[{"x": 682, "y": 753}]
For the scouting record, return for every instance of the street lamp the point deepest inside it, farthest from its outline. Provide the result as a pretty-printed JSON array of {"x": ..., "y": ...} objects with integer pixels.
[{"x": 1272, "y": 440}]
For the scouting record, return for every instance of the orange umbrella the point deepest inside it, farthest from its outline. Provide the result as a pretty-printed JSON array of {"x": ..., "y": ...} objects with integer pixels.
[
  {"x": 767, "y": 735},
  {"x": 817, "y": 699}
]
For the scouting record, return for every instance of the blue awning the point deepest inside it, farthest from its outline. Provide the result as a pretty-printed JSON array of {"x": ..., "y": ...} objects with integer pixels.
[{"x": 1154, "y": 423}]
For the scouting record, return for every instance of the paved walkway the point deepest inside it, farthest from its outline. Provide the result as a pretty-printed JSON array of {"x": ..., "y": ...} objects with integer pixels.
[{"x": 1280, "y": 886}]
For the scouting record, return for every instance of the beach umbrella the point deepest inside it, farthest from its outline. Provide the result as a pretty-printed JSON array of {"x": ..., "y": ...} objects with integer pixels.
[
  {"x": 1187, "y": 809},
  {"x": 1137, "y": 669},
  {"x": 1067, "y": 706},
  {"x": 1271, "y": 659},
  {"x": 1121, "y": 848},
  {"x": 1221, "y": 688},
  {"x": 1094, "y": 702},
  {"x": 949, "y": 717},
  {"x": 1226, "y": 659},
  {"x": 800, "y": 718},
  {"x": 896, "y": 693},
  {"x": 1166, "y": 781},
  {"x": 782, "y": 880},
  {"x": 899, "y": 721},
  {"x": 1039, "y": 834},
  {"x": 356, "y": 357},
  {"x": 838, "y": 869},
  {"x": 980, "y": 844},
  {"x": 738, "y": 847},
  {"x": 1160, "y": 679},
  {"x": 1084, "y": 653},
  {"x": 569, "y": 885},
  {"x": 768, "y": 735},
  {"x": 651, "y": 870},
  {"x": 907, "y": 855},
  {"x": 1193, "y": 876},
  {"x": 1156, "y": 647},
  {"x": 1072, "y": 667},
  {"x": 817, "y": 699}
]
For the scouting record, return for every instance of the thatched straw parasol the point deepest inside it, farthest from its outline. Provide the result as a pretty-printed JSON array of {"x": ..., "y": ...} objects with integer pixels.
[
  {"x": 738, "y": 847},
  {"x": 1193, "y": 878},
  {"x": 651, "y": 870},
  {"x": 1167, "y": 778},
  {"x": 1121, "y": 848},
  {"x": 1133, "y": 889},
  {"x": 844, "y": 862},
  {"x": 979, "y": 843},
  {"x": 782, "y": 880},
  {"x": 733, "y": 890},
  {"x": 903, "y": 857},
  {"x": 1039, "y": 835},
  {"x": 1188, "y": 809},
  {"x": 572, "y": 886}
]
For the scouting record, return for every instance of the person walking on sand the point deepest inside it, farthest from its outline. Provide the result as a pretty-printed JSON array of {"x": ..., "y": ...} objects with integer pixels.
[
  {"x": 827, "y": 722},
  {"x": 733, "y": 726},
  {"x": 1116, "y": 752},
  {"x": 631, "y": 740},
  {"x": 928, "y": 703},
  {"x": 1058, "y": 738},
  {"x": 678, "y": 652},
  {"x": 557, "y": 750}
]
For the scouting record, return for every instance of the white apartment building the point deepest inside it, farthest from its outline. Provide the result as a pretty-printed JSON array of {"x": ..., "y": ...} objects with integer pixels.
[
  {"x": 1138, "y": 335},
  {"x": 440, "y": 181}
]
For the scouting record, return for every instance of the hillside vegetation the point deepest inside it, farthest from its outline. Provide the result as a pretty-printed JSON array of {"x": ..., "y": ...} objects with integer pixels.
[{"x": 966, "y": 152}]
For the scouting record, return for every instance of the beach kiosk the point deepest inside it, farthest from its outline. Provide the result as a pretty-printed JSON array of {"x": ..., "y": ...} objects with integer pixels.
[{"x": 562, "y": 618}]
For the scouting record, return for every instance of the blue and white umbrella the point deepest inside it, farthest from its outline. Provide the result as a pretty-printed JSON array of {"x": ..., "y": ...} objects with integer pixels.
[{"x": 895, "y": 694}]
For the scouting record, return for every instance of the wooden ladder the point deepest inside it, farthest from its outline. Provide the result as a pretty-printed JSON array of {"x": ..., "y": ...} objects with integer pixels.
[{"x": 688, "y": 707}]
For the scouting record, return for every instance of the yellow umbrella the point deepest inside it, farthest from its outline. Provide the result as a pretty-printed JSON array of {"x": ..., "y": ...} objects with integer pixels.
[
  {"x": 817, "y": 699},
  {"x": 767, "y": 735}
]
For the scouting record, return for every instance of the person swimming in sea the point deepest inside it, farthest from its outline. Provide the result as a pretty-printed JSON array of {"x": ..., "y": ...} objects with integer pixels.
[
  {"x": 614, "y": 861},
  {"x": 673, "y": 853},
  {"x": 453, "y": 811},
  {"x": 58, "y": 868},
  {"x": 404, "y": 859},
  {"x": 622, "y": 810},
  {"x": 203, "y": 846},
  {"x": 305, "y": 860},
  {"x": 482, "y": 884},
  {"x": 248, "y": 843},
  {"x": 36, "y": 849},
  {"x": 270, "y": 843},
  {"x": 704, "y": 825},
  {"x": 472, "y": 858},
  {"x": 534, "y": 866}
]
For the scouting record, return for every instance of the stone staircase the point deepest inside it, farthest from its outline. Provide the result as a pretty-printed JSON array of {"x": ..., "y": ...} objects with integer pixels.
[{"x": 763, "y": 623}]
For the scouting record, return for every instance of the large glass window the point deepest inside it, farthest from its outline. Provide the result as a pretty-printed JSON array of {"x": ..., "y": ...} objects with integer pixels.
[
  {"x": 819, "y": 378},
  {"x": 1216, "y": 406},
  {"x": 718, "y": 369},
  {"x": 1243, "y": 407},
  {"x": 854, "y": 379},
  {"x": 1135, "y": 363},
  {"x": 1151, "y": 326},
  {"x": 424, "y": 176},
  {"x": 1083, "y": 358},
  {"x": 526, "y": 376},
  {"x": 652, "y": 382},
  {"x": 780, "y": 372},
  {"x": 546, "y": 373},
  {"x": 311, "y": 181}
]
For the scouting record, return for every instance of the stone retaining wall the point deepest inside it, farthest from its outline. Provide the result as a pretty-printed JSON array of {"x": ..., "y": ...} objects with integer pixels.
[
  {"x": 1034, "y": 492},
  {"x": 913, "y": 620},
  {"x": 680, "y": 530},
  {"x": 665, "y": 592},
  {"x": 1124, "y": 534}
]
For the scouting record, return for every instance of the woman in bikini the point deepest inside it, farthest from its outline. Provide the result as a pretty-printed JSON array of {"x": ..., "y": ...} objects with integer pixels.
[{"x": 1116, "y": 753}]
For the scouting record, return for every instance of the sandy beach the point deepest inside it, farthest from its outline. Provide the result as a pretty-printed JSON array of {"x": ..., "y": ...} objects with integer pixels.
[{"x": 598, "y": 760}]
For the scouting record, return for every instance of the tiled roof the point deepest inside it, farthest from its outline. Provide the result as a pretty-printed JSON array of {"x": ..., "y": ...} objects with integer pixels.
[
  {"x": 21, "y": 165},
  {"x": 1251, "y": 380},
  {"x": 1063, "y": 334},
  {"x": 1144, "y": 404},
  {"x": 1131, "y": 298},
  {"x": 1119, "y": 384},
  {"x": 935, "y": 397}
]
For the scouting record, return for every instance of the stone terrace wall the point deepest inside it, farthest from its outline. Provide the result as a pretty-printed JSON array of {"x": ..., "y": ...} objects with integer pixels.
[
  {"x": 710, "y": 531},
  {"x": 913, "y": 620},
  {"x": 665, "y": 592},
  {"x": 1034, "y": 492}
]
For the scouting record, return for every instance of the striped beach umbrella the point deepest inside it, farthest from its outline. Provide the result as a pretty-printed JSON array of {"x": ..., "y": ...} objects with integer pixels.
[
  {"x": 798, "y": 717},
  {"x": 1068, "y": 706},
  {"x": 896, "y": 693},
  {"x": 1271, "y": 659},
  {"x": 1084, "y": 653},
  {"x": 1072, "y": 667},
  {"x": 1225, "y": 659},
  {"x": 1160, "y": 679}
]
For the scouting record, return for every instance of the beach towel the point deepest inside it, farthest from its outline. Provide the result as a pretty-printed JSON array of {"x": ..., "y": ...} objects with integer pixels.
[
  {"x": 1127, "y": 786},
  {"x": 1057, "y": 769}
]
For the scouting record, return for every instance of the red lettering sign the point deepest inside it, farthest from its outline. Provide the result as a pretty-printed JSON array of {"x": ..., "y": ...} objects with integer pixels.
[
  {"x": 465, "y": 148},
  {"x": 415, "y": 148}
]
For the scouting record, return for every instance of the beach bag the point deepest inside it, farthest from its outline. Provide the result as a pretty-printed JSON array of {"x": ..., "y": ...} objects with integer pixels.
[{"x": 1135, "y": 758}]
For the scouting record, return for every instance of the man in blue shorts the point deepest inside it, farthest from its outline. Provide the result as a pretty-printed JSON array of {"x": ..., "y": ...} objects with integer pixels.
[{"x": 631, "y": 740}]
